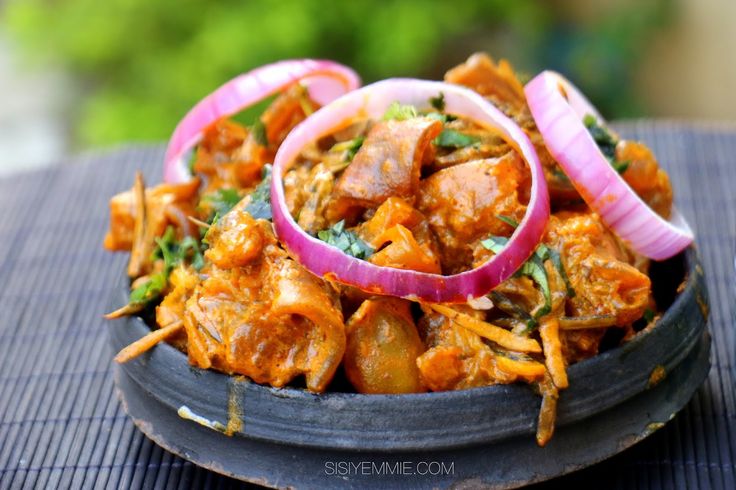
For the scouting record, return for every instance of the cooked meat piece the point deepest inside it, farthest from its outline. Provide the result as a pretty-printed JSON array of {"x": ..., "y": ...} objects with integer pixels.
[
  {"x": 405, "y": 236},
  {"x": 457, "y": 358},
  {"x": 463, "y": 203},
  {"x": 645, "y": 176},
  {"x": 382, "y": 348},
  {"x": 496, "y": 81},
  {"x": 270, "y": 319},
  {"x": 404, "y": 252},
  {"x": 604, "y": 282},
  {"x": 318, "y": 191},
  {"x": 500, "y": 84},
  {"x": 164, "y": 205},
  {"x": 388, "y": 163},
  {"x": 235, "y": 240}
]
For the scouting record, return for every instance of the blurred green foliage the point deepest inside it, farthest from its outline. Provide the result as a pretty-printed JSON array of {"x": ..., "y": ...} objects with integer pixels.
[{"x": 140, "y": 64}]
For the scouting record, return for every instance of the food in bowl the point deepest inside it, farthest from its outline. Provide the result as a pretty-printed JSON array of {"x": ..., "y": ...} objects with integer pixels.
[{"x": 409, "y": 235}]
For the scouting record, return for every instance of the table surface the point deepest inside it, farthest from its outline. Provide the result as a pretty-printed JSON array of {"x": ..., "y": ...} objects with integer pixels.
[{"x": 61, "y": 425}]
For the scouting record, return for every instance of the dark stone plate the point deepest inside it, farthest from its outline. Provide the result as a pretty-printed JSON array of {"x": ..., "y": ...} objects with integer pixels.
[{"x": 289, "y": 437}]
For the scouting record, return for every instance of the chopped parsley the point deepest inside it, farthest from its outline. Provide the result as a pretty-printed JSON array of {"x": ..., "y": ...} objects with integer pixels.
[
  {"x": 345, "y": 240},
  {"x": 350, "y": 147},
  {"x": 449, "y": 138},
  {"x": 648, "y": 315},
  {"x": 173, "y": 253},
  {"x": 259, "y": 132},
  {"x": 508, "y": 220},
  {"x": 400, "y": 112},
  {"x": 534, "y": 269},
  {"x": 221, "y": 201},
  {"x": 149, "y": 291},
  {"x": 260, "y": 200},
  {"x": 438, "y": 102},
  {"x": 606, "y": 141}
]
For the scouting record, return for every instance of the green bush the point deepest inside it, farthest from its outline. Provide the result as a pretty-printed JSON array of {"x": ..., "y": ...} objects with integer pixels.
[{"x": 140, "y": 64}]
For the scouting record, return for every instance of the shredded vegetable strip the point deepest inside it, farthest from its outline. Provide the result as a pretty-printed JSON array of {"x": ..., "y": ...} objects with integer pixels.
[
  {"x": 549, "y": 331},
  {"x": 502, "y": 337},
  {"x": 123, "y": 311},
  {"x": 583, "y": 322},
  {"x": 548, "y": 411},
  {"x": 148, "y": 341},
  {"x": 526, "y": 369},
  {"x": 139, "y": 229}
]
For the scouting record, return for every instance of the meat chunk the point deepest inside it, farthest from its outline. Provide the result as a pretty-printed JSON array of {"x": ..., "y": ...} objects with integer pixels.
[
  {"x": 463, "y": 204},
  {"x": 499, "y": 83},
  {"x": 604, "y": 282},
  {"x": 457, "y": 358},
  {"x": 139, "y": 216},
  {"x": 405, "y": 236},
  {"x": 388, "y": 163},
  {"x": 382, "y": 348},
  {"x": 235, "y": 240},
  {"x": 496, "y": 81},
  {"x": 645, "y": 176},
  {"x": 266, "y": 317}
]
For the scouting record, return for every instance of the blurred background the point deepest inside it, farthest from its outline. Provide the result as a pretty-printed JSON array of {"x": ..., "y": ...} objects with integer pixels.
[{"x": 82, "y": 74}]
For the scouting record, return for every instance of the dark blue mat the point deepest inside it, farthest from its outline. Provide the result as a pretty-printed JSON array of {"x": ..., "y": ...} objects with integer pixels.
[{"x": 62, "y": 427}]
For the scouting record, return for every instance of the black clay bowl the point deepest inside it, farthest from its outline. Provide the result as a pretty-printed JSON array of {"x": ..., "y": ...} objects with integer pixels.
[{"x": 613, "y": 401}]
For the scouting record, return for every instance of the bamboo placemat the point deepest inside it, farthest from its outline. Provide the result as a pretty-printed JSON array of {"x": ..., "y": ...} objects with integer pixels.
[{"x": 62, "y": 427}]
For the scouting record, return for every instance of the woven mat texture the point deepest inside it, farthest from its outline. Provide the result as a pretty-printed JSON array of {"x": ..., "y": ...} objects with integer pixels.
[{"x": 61, "y": 425}]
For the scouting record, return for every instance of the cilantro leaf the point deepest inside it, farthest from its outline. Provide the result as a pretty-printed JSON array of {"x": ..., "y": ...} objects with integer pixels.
[
  {"x": 554, "y": 255},
  {"x": 449, "y": 138},
  {"x": 260, "y": 200},
  {"x": 149, "y": 291},
  {"x": 606, "y": 141},
  {"x": 532, "y": 268},
  {"x": 648, "y": 315},
  {"x": 259, "y": 132},
  {"x": 174, "y": 253},
  {"x": 400, "y": 112},
  {"x": 350, "y": 147},
  {"x": 222, "y": 201},
  {"x": 438, "y": 102},
  {"x": 508, "y": 220},
  {"x": 345, "y": 240}
]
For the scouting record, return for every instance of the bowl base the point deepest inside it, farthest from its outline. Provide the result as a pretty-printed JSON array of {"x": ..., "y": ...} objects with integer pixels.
[{"x": 507, "y": 464}]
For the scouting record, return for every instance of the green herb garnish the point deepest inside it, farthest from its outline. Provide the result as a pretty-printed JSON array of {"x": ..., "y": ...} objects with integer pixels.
[
  {"x": 222, "y": 201},
  {"x": 175, "y": 252},
  {"x": 350, "y": 147},
  {"x": 606, "y": 141},
  {"x": 649, "y": 315},
  {"x": 259, "y": 132},
  {"x": 554, "y": 255},
  {"x": 532, "y": 268},
  {"x": 438, "y": 102},
  {"x": 260, "y": 200},
  {"x": 449, "y": 138},
  {"x": 345, "y": 240},
  {"x": 400, "y": 112},
  {"x": 149, "y": 291},
  {"x": 508, "y": 220}
]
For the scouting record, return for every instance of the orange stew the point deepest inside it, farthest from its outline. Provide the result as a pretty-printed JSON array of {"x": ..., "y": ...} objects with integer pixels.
[{"x": 427, "y": 191}]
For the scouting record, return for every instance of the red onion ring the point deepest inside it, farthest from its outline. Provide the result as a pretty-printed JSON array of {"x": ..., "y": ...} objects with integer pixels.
[
  {"x": 325, "y": 80},
  {"x": 558, "y": 108},
  {"x": 372, "y": 101}
]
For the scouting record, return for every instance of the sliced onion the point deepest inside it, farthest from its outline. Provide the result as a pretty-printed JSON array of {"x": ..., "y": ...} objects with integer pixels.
[
  {"x": 372, "y": 101},
  {"x": 325, "y": 81},
  {"x": 558, "y": 108}
]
